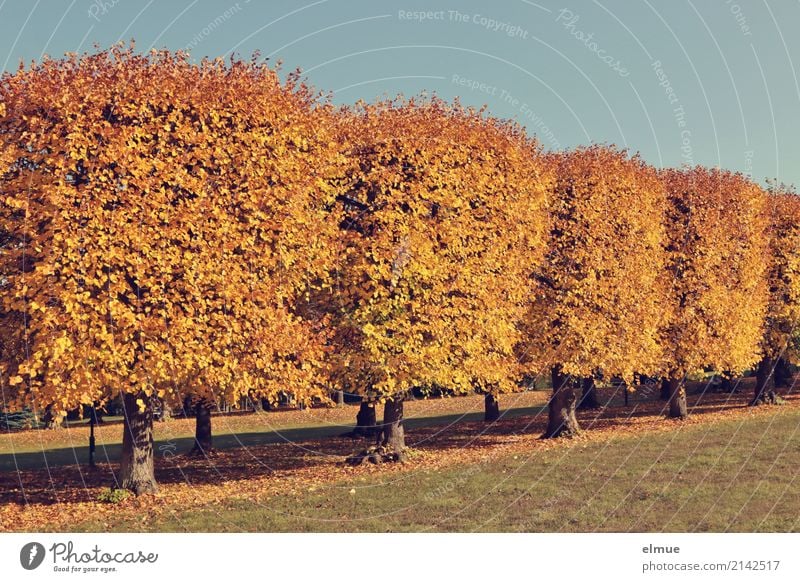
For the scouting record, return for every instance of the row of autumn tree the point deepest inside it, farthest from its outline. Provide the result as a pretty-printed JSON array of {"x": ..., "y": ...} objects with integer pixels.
[{"x": 171, "y": 229}]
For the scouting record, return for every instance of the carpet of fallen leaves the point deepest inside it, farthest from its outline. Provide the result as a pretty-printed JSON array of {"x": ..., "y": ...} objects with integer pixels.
[{"x": 51, "y": 499}]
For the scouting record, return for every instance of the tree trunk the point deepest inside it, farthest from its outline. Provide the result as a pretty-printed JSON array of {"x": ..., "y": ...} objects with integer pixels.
[
  {"x": 187, "y": 407},
  {"x": 50, "y": 420},
  {"x": 589, "y": 396},
  {"x": 726, "y": 384},
  {"x": 165, "y": 411},
  {"x": 339, "y": 398},
  {"x": 665, "y": 389},
  {"x": 492, "y": 408},
  {"x": 366, "y": 420},
  {"x": 765, "y": 383},
  {"x": 392, "y": 436},
  {"x": 783, "y": 375},
  {"x": 561, "y": 410},
  {"x": 136, "y": 465},
  {"x": 677, "y": 398},
  {"x": 202, "y": 431}
]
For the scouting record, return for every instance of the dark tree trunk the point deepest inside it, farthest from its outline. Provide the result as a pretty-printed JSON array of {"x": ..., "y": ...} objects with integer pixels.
[
  {"x": 392, "y": 437},
  {"x": 665, "y": 390},
  {"x": 390, "y": 442},
  {"x": 677, "y": 398},
  {"x": 186, "y": 409},
  {"x": 726, "y": 384},
  {"x": 783, "y": 375},
  {"x": 202, "y": 433},
  {"x": 589, "y": 395},
  {"x": 492, "y": 408},
  {"x": 136, "y": 464},
  {"x": 50, "y": 420},
  {"x": 366, "y": 420},
  {"x": 765, "y": 383},
  {"x": 561, "y": 410},
  {"x": 98, "y": 415}
]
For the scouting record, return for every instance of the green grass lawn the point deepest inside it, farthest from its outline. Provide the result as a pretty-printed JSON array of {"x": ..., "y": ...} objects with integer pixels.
[{"x": 733, "y": 475}]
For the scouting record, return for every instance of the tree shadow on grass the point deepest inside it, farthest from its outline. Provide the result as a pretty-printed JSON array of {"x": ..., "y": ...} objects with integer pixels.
[{"x": 54, "y": 476}]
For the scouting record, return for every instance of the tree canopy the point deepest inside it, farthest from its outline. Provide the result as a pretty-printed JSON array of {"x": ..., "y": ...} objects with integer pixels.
[{"x": 161, "y": 220}]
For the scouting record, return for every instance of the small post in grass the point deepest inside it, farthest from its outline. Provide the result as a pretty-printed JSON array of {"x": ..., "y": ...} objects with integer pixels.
[{"x": 92, "y": 422}]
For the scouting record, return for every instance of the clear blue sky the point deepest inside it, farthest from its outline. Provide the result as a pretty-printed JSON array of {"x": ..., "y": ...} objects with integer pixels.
[{"x": 713, "y": 82}]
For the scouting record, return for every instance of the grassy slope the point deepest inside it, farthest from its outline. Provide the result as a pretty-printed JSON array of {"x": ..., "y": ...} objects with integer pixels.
[{"x": 738, "y": 474}]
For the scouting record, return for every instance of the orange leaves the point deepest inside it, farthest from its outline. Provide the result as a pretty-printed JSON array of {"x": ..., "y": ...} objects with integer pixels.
[
  {"x": 596, "y": 285},
  {"x": 716, "y": 247},
  {"x": 14, "y": 203},
  {"x": 149, "y": 272},
  {"x": 783, "y": 315},
  {"x": 177, "y": 228},
  {"x": 443, "y": 206}
]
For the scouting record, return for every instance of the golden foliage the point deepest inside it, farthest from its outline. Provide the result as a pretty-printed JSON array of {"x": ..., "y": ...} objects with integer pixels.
[
  {"x": 162, "y": 219},
  {"x": 444, "y": 216},
  {"x": 596, "y": 306},
  {"x": 783, "y": 276},
  {"x": 169, "y": 228},
  {"x": 716, "y": 265}
]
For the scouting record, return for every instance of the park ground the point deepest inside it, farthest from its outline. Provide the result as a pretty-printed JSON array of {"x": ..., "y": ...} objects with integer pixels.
[{"x": 728, "y": 467}]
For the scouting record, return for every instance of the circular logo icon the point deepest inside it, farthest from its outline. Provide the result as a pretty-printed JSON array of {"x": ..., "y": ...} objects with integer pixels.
[{"x": 31, "y": 555}]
